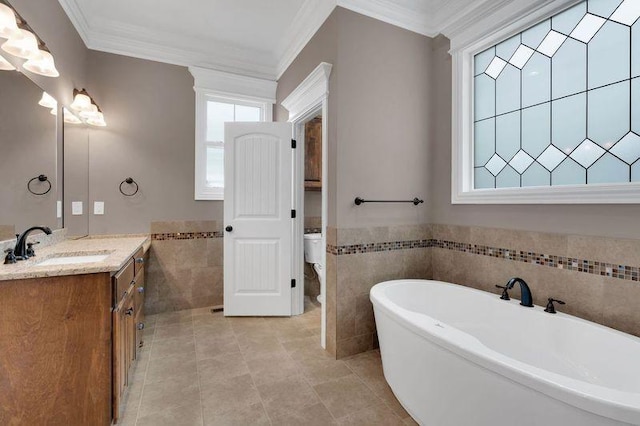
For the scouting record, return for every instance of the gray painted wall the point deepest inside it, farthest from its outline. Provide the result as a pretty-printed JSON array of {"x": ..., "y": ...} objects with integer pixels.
[
  {"x": 150, "y": 112},
  {"x": 602, "y": 220},
  {"x": 383, "y": 122},
  {"x": 379, "y": 93}
]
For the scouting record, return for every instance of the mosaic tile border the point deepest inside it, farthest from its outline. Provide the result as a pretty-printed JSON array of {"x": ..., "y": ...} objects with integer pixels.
[
  {"x": 186, "y": 236},
  {"x": 624, "y": 272}
]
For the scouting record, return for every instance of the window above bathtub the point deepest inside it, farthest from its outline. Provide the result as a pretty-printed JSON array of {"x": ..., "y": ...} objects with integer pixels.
[{"x": 547, "y": 107}]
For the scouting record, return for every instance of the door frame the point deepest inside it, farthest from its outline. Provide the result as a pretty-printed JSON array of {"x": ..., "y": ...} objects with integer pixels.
[{"x": 306, "y": 100}]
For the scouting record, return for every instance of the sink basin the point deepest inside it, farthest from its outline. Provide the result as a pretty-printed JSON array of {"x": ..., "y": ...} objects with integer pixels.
[{"x": 73, "y": 260}]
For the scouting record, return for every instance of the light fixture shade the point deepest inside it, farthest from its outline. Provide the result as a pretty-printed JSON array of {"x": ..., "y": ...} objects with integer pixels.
[
  {"x": 70, "y": 118},
  {"x": 23, "y": 46},
  {"x": 97, "y": 120},
  {"x": 81, "y": 102},
  {"x": 92, "y": 112},
  {"x": 47, "y": 101},
  {"x": 8, "y": 25},
  {"x": 42, "y": 64},
  {"x": 5, "y": 65}
]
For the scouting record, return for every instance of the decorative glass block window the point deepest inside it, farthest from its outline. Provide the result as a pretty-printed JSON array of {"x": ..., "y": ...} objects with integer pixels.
[{"x": 559, "y": 103}]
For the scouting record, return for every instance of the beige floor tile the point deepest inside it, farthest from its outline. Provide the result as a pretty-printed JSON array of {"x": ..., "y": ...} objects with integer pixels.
[
  {"x": 323, "y": 370},
  {"x": 346, "y": 395},
  {"x": 271, "y": 368},
  {"x": 214, "y": 345},
  {"x": 186, "y": 415},
  {"x": 312, "y": 415},
  {"x": 227, "y": 395},
  {"x": 172, "y": 393},
  {"x": 174, "y": 346},
  {"x": 287, "y": 396},
  {"x": 378, "y": 415},
  {"x": 173, "y": 331},
  {"x": 170, "y": 367},
  {"x": 221, "y": 367},
  {"x": 254, "y": 347},
  {"x": 243, "y": 416},
  {"x": 170, "y": 318}
]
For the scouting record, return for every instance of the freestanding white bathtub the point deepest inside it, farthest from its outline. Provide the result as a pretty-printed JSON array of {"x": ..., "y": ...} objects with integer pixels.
[{"x": 455, "y": 356}]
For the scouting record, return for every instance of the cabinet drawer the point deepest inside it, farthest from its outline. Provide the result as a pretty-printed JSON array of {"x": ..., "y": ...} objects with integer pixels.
[
  {"x": 123, "y": 280},
  {"x": 139, "y": 260}
]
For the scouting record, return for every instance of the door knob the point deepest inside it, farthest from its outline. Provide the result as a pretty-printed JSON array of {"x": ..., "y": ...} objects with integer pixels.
[{"x": 229, "y": 228}]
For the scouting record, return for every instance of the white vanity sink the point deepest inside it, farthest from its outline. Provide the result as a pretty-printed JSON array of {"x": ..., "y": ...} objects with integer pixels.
[{"x": 72, "y": 260}]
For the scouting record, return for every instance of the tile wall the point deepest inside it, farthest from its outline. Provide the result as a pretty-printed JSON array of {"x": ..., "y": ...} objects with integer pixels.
[
  {"x": 185, "y": 268},
  {"x": 357, "y": 259}
]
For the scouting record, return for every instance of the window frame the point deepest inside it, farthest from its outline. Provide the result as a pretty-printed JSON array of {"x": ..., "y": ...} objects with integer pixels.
[
  {"x": 465, "y": 46},
  {"x": 203, "y": 96}
]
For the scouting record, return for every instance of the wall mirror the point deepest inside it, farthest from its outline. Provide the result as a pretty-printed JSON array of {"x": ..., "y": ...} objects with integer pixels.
[
  {"x": 76, "y": 179},
  {"x": 30, "y": 157}
]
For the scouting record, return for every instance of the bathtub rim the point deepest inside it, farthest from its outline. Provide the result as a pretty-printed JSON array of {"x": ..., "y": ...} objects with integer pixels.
[{"x": 606, "y": 402}]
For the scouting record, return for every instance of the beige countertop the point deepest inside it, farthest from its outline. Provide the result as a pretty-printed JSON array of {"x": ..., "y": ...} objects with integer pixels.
[{"x": 118, "y": 248}]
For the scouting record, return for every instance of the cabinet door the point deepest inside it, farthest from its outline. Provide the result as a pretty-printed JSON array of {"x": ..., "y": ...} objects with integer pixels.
[
  {"x": 138, "y": 295},
  {"x": 119, "y": 358}
]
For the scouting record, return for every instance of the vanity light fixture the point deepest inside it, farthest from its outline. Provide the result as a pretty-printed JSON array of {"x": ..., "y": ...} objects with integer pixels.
[
  {"x": 81, "y": 100},
  {"x": 70, "y": 117},
  {"x": 84, "y": 105},
  {"x": 47, "y": 101},
  {"x": 8, "y": 23},
  {"x": 6, "y": 65},
  {"x": 42, "y": 64},
  {"x": 24, "y": 45}
]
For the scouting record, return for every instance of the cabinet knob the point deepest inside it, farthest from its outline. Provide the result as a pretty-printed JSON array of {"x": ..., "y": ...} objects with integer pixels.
[
  {"x": 140, "y": 326},
  {"x": 129, "y": 312},
  {"x": 140, "y": 289},
  {"x": 229, "y": 228},
  {"x": 139, "y": 259}
]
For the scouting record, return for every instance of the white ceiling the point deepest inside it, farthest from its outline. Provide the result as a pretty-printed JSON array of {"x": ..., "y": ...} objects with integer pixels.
[{"x": 259, "y": 38}]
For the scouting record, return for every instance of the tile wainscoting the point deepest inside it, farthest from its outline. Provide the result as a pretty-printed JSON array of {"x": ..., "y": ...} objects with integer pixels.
[
  {"x": 185, "y": 268},
  {"x": 357, "y": 259},
  {"x": 597, "y": 277}
]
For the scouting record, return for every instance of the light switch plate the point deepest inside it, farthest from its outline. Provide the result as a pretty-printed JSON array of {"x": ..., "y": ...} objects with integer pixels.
[
  {"x": 98, "y": 207},
  {"x": 76, "y": 208},
  {"x": 59, "y": 209}
]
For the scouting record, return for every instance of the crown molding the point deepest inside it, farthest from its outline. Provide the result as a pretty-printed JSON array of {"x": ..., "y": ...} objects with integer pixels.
[
  {"x": 77, "y": 18},
  {"x": 394, "y": 14},
  {"x": 309, "y": 93},
  {"x": 234, "y": 85},
  {"x": 307, "y": 22}
]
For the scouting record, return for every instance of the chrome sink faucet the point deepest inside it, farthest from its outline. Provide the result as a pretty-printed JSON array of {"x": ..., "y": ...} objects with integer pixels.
[
  {"x": 21, "y": 252},
  {"x": 526, "y": 299}
]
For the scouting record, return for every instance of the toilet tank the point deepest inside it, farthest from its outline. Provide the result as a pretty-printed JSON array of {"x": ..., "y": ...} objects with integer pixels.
[{"x": 313, "y": 248}]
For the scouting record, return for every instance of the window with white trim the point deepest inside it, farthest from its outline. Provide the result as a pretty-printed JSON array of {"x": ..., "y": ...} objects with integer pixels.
[
  {"x": 212, "y": 112},
  {"x": 554, "y": 110}
]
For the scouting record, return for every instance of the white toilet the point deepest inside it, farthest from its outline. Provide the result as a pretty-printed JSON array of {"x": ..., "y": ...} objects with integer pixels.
[{"x": 313, "y": 255}]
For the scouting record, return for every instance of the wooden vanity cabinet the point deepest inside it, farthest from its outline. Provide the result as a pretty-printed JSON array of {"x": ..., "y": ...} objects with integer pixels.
[{"x": 128, "y": 324}]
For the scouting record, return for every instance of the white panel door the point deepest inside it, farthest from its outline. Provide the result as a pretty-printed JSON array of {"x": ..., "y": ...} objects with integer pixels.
[{"x": 257, "y": 219}]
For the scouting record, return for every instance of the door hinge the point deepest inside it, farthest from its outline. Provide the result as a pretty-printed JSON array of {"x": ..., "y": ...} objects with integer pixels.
[
  {"x": 294, "y": 144},
  {"x": 293, "y": 283},
  {"x": 293, "y": 214}
]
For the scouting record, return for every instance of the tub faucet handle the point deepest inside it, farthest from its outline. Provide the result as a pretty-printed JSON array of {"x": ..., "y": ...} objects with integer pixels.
[
  {"x": 505, "y": 292},
  {"x": 550, "y": 308}
]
